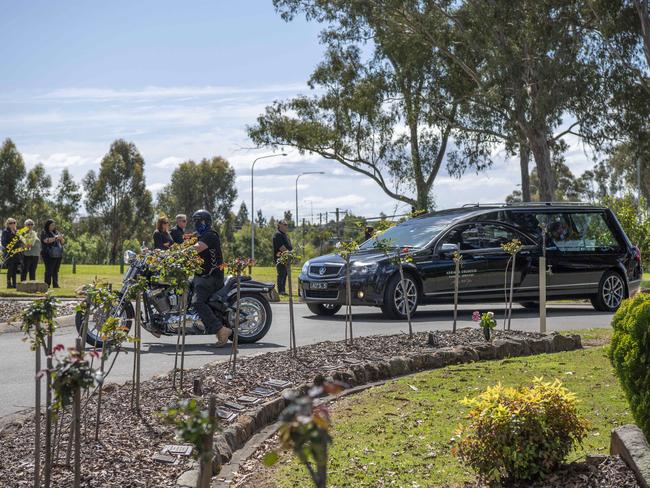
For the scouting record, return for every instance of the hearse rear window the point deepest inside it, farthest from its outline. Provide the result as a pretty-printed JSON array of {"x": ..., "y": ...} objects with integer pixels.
[{"x": 569, "y": 231}]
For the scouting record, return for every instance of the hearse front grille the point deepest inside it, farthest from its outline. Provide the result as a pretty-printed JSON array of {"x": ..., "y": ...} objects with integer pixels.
[{"x": 322, "y": 294}]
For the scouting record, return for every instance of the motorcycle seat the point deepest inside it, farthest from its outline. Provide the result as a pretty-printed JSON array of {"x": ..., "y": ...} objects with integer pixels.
[{"x": 228, "y": 285}]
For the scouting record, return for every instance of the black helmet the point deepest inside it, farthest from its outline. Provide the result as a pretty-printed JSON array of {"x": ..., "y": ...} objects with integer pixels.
[{"x": 202, "y": 220}]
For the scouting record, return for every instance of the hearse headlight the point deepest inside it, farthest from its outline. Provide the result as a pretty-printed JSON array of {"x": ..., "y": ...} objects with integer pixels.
[
  {"x": 305, "y": 267},
  {"x": 363, "y": 269}
]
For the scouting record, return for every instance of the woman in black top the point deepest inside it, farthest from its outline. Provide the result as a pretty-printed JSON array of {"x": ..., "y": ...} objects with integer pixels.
[
  {"x": 161, "y": 237},
  {"x": 10, "y": 243},
  {"x": 52, "y": 252}
]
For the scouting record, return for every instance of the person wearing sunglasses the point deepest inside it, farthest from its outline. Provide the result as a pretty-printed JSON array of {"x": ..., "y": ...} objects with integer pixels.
[
  {"x": 161, "y": 238},
  {"x": 178, "y": 231},
  {"x": 10, "y": 244},
  {"x": 31, "y": 254}
]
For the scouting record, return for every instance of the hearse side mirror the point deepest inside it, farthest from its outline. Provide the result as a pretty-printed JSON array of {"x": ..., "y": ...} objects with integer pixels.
[{"x": 448, "y": 248}]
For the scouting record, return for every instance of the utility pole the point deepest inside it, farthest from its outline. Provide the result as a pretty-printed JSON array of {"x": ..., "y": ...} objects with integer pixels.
[{"x": 338, "y": 232}]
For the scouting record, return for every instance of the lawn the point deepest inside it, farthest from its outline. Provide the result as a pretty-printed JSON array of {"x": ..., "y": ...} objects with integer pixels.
[
  {"x": 86, "y": 273},
  {"x": 645, "y": 282},
  {"x": 400, "y": 434}
]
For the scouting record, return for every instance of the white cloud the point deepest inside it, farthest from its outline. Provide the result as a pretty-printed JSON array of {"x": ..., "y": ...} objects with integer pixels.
[
  {"x": 55, "y": 161},
  {"x": 169, "y": 162},
  {"x": 155, "y": 187}
]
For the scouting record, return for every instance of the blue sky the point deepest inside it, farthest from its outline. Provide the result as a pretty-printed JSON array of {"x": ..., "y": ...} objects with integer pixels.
[{"x": 181, "y": 80}]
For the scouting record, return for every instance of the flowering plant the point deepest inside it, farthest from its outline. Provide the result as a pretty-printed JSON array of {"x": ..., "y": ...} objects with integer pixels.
[
  {"x": 237, "y": 265},
  {"x": 487, "y": 322},
  {"x": 42, "y": 312},
  {"x": 175, "y": 265},
  {"x": 71, "y": 373}
]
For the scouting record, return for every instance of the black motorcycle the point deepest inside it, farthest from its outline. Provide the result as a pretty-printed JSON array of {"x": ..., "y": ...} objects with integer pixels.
[{"x": 161, "y": 314}]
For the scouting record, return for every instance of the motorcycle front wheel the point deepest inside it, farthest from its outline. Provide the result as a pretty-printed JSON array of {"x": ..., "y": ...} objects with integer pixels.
[
  {"x": 256, "y": 317},
  {"x": 124, "y": 311}
]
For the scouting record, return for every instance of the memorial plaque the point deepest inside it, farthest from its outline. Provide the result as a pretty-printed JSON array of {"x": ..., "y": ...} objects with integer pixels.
[
  {"x": 249, "y": 400},
  {"x": 279, "y": 384},
  {"x": 234, "y": 406},
  {"x": 165, "y": 458},
  {"x": 226, "y": 415},
  {"x": 263, "y": 392},
  {"x": 177, "y": 450}
]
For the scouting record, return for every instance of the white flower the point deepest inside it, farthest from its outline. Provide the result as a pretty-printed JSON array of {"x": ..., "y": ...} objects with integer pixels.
[{"x": 490, "y": 315}]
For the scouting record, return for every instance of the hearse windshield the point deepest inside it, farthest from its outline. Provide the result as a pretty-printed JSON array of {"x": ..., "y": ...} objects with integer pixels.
[{"x": 414, "y": 233}]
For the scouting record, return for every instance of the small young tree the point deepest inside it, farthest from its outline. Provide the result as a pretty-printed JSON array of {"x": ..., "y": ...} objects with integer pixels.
[
  {"x": 236, "y": 266},
  {"x": 458, "y": 259},
  {"x": 345, "y": 250},
  {"x": 512, "y": 248},
  {"x": 305, "y": 429},
  {"x": 287, "y": 258},
  {"x": 38, "y": 324},
  {"x": 196, "y": 427}
]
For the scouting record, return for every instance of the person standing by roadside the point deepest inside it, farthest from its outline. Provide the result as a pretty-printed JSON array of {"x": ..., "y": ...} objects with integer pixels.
[
  {"x": 161, "y": 238},
  {"x": 178, "y": 231},
  {"x": 30, "y": 256},
  {"x": 11, "y": 242},
  {"x": 52, "y": 252},
  {"x": 281, "y": 243}
]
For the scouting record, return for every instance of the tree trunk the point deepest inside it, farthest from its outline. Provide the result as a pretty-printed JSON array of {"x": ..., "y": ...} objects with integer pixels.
[
  {"x": 524, "y": 158},
  {"x": 644, "y": 18},
  {"x": 542, "y": 154}
]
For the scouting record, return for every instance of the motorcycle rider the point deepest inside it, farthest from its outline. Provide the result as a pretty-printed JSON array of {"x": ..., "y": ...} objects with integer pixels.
[{"x": 211, "y": 278}]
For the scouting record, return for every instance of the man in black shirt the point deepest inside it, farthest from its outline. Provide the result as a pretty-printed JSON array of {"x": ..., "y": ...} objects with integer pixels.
[
  {"x": 281, "y": 243},
  {"x": 211, "y": 277},
  {"x": 178, "y": 231}
]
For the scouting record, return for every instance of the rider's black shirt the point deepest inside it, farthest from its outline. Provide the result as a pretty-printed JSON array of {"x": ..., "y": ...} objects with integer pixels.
[{"x": 212, "y": 256}]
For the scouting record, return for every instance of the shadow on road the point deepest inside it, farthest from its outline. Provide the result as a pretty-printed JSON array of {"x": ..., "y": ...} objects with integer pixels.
[
  {"x": 207, "y": 348},
  {"x": 464, "y": 314}
]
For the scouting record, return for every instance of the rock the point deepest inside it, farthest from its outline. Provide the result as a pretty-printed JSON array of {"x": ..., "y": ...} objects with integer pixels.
[
  {"x": 561, "y": 343},
  {"x": 629, "y": 442},
  {"x": 384, "y": 369},
  {"x": 31, "y": 287},
  {"x": 372, "y": 372},
  {"x": 509, "y": 347},
  {"x": 485, "y": 350},
  {"x": 447, "y": 356},
  {"x": 222, "y": 448},
  {"x": 345, "y": 377},
  {"x": 398, "y": 366},
  {"x": 188, "y": 478},
  {"x": 359, "y": 373},
  {"x": 466, "y": 354},
  {"x": 540, "y": 346}
]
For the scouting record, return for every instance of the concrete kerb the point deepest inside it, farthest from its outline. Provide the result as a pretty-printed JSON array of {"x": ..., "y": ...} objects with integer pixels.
[
  {"x": 236, "y": 436},
  {"x": 629, "y": 442},
  {"x": 62, "y": 321}
]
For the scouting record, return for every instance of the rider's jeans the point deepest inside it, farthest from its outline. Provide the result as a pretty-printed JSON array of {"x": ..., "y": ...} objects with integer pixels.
[{"x": 204, "y": 287}]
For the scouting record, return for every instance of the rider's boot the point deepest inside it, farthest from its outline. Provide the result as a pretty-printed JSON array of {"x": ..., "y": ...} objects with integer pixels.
[{"x": 223, "y": 334}]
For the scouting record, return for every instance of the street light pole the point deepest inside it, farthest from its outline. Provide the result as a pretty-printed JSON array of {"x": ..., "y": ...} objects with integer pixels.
[
  {"x": 297, "y": 178},
  {"x": 253, "y": 200}
]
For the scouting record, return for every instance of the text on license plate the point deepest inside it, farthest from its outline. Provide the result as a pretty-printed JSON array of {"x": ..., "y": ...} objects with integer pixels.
[{"x": 318, "y": 285}]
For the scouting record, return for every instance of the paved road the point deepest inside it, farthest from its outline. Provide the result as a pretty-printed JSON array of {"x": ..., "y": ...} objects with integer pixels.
[{"x": 17, "y": 361}]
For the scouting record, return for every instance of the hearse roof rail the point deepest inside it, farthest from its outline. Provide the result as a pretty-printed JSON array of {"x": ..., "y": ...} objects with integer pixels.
[{"x": 531, "y": 204}]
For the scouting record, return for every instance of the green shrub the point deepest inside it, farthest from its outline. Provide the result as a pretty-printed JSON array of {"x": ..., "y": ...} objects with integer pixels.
[
  {"x": 520, "y": 433},
  {"x": 630, "y": 355}
]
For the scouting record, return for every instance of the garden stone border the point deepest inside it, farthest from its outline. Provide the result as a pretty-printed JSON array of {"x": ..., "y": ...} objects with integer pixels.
[
  {"x": 629, "y": 442},
  {"x": 235, "y": 436}
]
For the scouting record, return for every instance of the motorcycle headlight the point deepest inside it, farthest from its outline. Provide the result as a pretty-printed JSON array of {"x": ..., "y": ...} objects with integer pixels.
[
  {"x": 305, "y": 267},
  {"x": 359, "y": 268},
  {"x": 128, "y": 256}
]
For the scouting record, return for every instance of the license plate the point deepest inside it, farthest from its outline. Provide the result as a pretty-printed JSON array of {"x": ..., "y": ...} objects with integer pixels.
[{"x": 318, "y": 285}]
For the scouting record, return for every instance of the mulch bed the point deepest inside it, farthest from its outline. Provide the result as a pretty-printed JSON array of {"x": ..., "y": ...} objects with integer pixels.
[
  {"x": 11, "y": 309},
  {"x": 123, "y": 457}
]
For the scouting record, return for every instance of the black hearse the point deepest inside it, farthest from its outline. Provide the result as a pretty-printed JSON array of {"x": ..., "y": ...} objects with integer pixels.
[{"x": 587, "y": 252}]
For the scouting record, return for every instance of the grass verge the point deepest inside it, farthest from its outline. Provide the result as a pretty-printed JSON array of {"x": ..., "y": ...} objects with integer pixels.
[
  {"x": 86, "y": 273},
  {"x": 400, "y": 434}
]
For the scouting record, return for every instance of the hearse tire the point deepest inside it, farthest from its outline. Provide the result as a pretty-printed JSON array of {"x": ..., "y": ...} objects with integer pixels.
[
  {"x": 389, "y": 307},
  {"x": 611, "y": 292},
  {"x": 324, "y": 309}
]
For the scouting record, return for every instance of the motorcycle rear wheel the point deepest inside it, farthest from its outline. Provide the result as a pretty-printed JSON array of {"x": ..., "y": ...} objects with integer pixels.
[
  {"x": 259, "y": 309},
  {"x": 93, "y": 337}
]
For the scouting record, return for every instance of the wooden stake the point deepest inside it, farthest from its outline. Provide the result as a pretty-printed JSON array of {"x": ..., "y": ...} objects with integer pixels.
[
  {"x": 512, "y": 287},
  {"x": 48, "y": 411},
  {"x": 235, "y": 338},
  {"x": 138, "y": 344},
  {"x": 37, "y": 414},
  {"x": 292, "y": 324},
  {"x": 542, "y": 294},
  {"x": 76, "y": 419},
  {"x": 456, "y": 279},
  {"x": 207, "y": 459},
  {"x": 183, "y": 324}
]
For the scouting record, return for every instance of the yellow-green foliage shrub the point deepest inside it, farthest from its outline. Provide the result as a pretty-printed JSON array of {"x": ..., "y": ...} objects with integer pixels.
[
  {"x": 629, "y": 353},
  {"x": 520, "y": 433}
]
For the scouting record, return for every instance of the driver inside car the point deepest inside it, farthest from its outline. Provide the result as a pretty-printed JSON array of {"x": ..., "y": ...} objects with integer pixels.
[{"x": 210, "y": 279}]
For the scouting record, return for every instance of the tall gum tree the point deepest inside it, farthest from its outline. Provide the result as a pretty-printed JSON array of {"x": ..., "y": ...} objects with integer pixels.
[
  {"x": 118, "y": 196},
  {"x": 385, "y": 104},
  {"x": 534, "y": 64}
]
